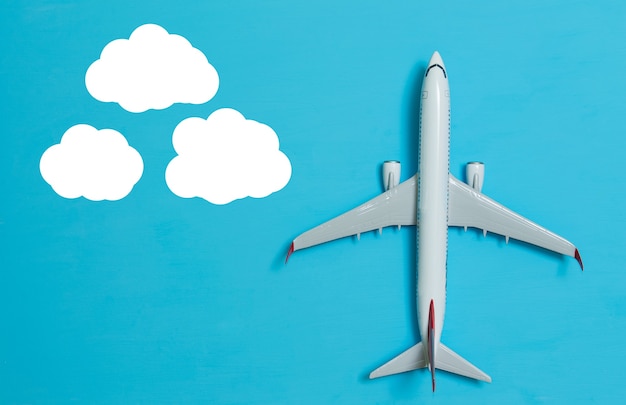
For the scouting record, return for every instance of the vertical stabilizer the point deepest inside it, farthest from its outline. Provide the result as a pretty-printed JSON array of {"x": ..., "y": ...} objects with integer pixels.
[{"x": 431, "y": 342}]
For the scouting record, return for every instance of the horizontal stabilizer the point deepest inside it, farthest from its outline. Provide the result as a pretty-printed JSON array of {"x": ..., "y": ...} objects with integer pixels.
[
  {"x": 451, "y": 362},
  {"x": 411, "y": 359}
]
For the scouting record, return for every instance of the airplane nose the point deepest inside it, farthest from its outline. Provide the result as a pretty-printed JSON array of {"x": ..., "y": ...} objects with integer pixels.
[
  {"x": 436, "y": 60},
  {"x": 437, "y": 63}
]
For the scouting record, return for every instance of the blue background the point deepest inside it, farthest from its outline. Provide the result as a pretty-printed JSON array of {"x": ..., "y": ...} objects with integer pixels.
[{"x": 158, "y": 299}]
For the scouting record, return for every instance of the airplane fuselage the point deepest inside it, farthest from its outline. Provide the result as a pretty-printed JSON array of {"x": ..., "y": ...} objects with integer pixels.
[{"x": 432, "y": 199}]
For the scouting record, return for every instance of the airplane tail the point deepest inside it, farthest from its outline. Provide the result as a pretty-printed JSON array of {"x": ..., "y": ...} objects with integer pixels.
[
  {"x": 435, "y": 357},
  {"x": 416, "y": 358}
]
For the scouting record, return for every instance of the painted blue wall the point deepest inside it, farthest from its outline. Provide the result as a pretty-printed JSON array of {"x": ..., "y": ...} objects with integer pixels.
[{"x": 158, "y": 299}]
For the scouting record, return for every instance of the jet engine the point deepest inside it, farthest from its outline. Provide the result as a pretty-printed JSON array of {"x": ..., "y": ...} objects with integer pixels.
[
  {"x": 475, "y": 175},
  {"x": 391, "y": 174}
]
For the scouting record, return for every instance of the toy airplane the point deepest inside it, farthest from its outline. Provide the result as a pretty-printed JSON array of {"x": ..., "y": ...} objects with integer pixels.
[{"x": 433, "y": 200}]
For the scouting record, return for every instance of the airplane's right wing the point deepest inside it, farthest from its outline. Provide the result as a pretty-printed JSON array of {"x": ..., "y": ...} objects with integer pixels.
[
  {"x": 395, "y": 207},
  {"x": 469, "y": 208}
]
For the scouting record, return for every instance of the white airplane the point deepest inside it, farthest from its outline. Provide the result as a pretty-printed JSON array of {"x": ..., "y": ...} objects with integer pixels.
[{"x": 433, "y": 200}]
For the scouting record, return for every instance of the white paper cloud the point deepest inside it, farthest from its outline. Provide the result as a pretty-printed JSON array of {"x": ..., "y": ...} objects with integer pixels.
[
  {"x": 97, "y": 165},
  {"x": 226, "y": 157},
  {"x": 151, "y": 70}
]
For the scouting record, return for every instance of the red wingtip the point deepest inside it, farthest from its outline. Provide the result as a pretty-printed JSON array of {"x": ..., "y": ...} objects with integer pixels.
[
  {"x": 580, "y": 261},
  {"x": 291, "y": 249}
]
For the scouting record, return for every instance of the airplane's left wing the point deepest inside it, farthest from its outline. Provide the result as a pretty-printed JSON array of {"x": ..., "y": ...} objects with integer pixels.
[
  {"x": 395, "y": 207},
  {"x": 470, "y": 208}
]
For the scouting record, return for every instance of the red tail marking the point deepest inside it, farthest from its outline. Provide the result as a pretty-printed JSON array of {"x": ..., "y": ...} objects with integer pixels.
[
  {"x": 291, "y": 249},
  {"x": 431, "y": 315},
  {"x": 431, "y": 341},
  {"x": 580, "y": 261}
]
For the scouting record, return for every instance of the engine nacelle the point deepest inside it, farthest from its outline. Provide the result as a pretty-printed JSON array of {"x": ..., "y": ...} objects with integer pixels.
[
  {"x": 391, "y": 174},
  {"x": 475, "y": 175}
]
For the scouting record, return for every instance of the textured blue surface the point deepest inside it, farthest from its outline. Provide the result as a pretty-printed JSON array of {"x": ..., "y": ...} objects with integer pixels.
[{"x": 157, "y": 299}]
